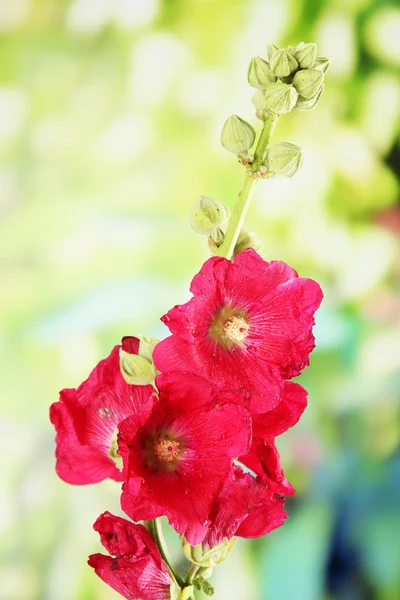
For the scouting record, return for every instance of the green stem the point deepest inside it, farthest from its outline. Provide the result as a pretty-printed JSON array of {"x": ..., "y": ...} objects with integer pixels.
[
  {"x": 240, "y": 210},
  {"x": 155, "y": 528}
]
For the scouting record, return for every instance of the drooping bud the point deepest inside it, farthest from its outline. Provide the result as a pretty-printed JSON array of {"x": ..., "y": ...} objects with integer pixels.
[
  {"x": 207, "y": 557},
  {"x": 283, "y": 63},
  {"x": 208, "y": 214},
  {"x": 247, "y": 239},
  {"x": 308, "y": 82},
  {"x": 280, "y": 97},
  {"x": 305, "y": 55},
  {"x": 136, "y": 360},
  {"x": 259, "y": 74},
  {"x": 237, "y": 135},
  {"x": 272, "y": 49},
  {"x": 322, "y": 63},
  {"x": 284, "y": 159},
  {"x": 309, "y": 103}
]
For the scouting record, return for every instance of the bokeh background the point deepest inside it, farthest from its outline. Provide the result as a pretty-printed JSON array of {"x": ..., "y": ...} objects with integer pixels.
[{"x": 110, "y": 116}]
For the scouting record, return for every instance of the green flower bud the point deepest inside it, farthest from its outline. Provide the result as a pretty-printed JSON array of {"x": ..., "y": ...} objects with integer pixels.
[
  {"x": 308, "y": 82},
  {"x": 283, "y": 63},
  {"x": 247, "y": 239},
  {"x": 237, "y": 135},
  {"x": 207, "y": 557},
  {"x": 280, "y": 97},
  {"x": 309, "y": 103},
  {"x": 208, "y": 214},
  {"x": 272, "y": 49},
  {"x": 305, "y": 55},
  {"x": 284, "y": 159},
  {"x": 139, "y": 369},
  {"x": 322, "y": 63},
  {"x": 259, "y": 101},
  {"x": 259, "y": 74}
]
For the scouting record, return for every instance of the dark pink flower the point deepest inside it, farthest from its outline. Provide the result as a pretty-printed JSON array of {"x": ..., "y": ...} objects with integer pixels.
[
  {"x": 86, "y": 421},
  {"x": 263, "y": 457},
  {"x": 247, "y": 327},
  {"x": 177, "y": 456},
  {"x": 245, "y": 507},
  {"x": 137, "y": 571}
]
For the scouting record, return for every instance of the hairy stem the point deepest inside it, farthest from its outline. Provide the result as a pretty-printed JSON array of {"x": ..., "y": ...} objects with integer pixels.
[
  {"x": 155, "y": 528},
  {"x": 241, "y": 207}
]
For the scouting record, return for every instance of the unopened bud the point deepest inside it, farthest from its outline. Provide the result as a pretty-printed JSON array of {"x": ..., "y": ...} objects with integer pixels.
[
  {"x": 322, "y": 63},
  {"x": 284, "y": 159},
  {"x": 208, "y": 214},
  {"x": 237, "y": 135},
  {"x": 136, "y": 360},
  {"x": 305, "y": 55},
  {"x": 259, "y": 74},
  {"x": 280, "y": 97},
  {"x": 308, "y": 82},
  {"x": 283, "y": 63},
  {"x": 309, "y": 103},
  {"x": 247, "y": 239},
  {"x": 272, "y": 49}
]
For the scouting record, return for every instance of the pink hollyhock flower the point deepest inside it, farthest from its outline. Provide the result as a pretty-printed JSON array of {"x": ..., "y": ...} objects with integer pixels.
[
  {"x": 137, "y": 571},
  {"x": 263, "y": 456},
  {"x": 178, "y": 455},
  {"x": 86, "y": 421},
  {"x": 245, "y": 508},
  {"x": 248, "y": 326}
]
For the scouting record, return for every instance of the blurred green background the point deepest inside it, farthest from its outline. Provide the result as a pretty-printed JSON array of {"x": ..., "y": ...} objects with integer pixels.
[{"x": 110, "y": 116}]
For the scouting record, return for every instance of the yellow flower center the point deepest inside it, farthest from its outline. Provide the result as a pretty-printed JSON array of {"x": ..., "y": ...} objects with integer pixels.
[
  {"x": 167, "y": 450},
  {"x": 236, "y": 329},
  {"x": 229, "y": 327}
]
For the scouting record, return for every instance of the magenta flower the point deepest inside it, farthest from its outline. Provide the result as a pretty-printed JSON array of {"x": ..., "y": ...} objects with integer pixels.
[
  {"x": 263, "y": 457},
  {"x": 177, "y": 456},
  {"x": 86, "y": 421},
  {"x": 246, "y": 507},
  {"x": 137, "y": 570},
  {"x": 247, "y": 327}
]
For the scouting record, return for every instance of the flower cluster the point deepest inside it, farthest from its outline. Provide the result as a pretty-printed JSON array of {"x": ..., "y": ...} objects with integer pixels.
[{"x": 196, "y": 443}]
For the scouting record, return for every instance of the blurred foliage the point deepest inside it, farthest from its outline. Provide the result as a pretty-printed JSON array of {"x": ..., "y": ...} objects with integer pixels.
[{"x": 110, "y": 116}]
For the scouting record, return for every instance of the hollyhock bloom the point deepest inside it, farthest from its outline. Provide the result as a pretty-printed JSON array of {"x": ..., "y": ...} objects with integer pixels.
[
  {"x": 245, "y": 507},
  {"x": 178, "y": 455},
  {"x": 248, "y": 326},
  {"x": 86, "y": 421},
  {"x": 263, "y": 456},
  {"x": 137, "y": 571}
]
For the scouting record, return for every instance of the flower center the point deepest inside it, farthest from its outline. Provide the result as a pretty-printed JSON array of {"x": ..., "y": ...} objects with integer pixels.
[
  {"x": 236, "y": 329},
  {"x": 230, "y": 327},
  {"x": 167, "y": 450}
]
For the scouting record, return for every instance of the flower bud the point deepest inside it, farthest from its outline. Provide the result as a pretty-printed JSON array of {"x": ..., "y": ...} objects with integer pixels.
[
  {"x": 309, "y": 103},
  {"x": 259, "y": 74},
  {"x": 322, "y": 63},
  {"x": 280, "y": 97},
  {"x": 247, "y": 239},
  {"x": 305, "y": 55},
  {"x": 208, "y": 214},
  {"x": 259, "y": 101},
  {"x": 308, "y": 82},
  {"x": 207, "y": 557},
  {"x": 284, "y": 159},
  {"x": 237, "y": 135},
  {"x": 136, "y": 360},
  {"x": 272, "y": 49},
  {"x": 283, "y": 63}
]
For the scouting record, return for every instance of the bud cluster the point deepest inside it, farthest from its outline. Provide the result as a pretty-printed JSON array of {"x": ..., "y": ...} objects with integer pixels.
[{"x": 293, "y": 77}]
